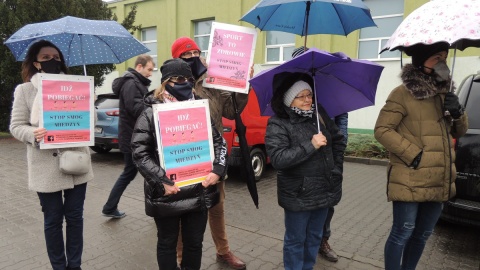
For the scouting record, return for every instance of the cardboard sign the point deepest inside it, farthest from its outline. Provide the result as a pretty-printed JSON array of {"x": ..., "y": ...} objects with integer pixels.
[
  {"x": 184, "y": 139},
  {"x": 230, "y": 55},
  {"x": 67, "y": 103}
]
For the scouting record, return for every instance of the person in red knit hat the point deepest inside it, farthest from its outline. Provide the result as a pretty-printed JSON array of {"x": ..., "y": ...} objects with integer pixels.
[{"x": 221, "y": 105}]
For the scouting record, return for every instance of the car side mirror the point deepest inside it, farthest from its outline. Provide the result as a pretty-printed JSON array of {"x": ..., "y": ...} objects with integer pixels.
[{"x": 476, "y": 78}]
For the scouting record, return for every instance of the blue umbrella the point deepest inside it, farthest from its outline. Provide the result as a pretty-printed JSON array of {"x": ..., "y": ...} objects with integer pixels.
[
  {"x": 82, "y": 41},
  {"x": 336, "y": 17}
]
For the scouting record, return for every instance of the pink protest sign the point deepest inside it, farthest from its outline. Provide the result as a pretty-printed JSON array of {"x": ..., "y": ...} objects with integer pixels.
[
  {"x": 184, "y": 139},
  {"x": 67, "y": 110},
  {"x": 230, "y": 56}
]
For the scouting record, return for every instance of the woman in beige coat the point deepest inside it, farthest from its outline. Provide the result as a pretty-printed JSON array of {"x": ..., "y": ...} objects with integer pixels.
[
  {"x": 417, "y": 132},
  {"x": 44, "y": 175}
]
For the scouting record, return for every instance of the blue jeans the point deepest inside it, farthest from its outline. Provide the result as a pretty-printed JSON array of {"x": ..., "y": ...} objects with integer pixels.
[
  {"x": 303, "y": 235},
  {"x": 193, "y": 229},
  {"x": 54, "y": 209},
  {"x": 128, "y": 174},
  {"x": 413, "y": 223},
  {"x": 326, "y": 227}
]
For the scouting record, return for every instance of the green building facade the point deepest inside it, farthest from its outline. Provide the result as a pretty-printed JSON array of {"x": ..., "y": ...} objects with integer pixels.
[{"x": 163, "y": 21}]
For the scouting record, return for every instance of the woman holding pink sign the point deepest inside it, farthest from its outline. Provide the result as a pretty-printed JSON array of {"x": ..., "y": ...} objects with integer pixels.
[
  {"x": 164, "y": 200},
  {"x": 221, "y": 105},
  {"x": 61, "y": 195}
]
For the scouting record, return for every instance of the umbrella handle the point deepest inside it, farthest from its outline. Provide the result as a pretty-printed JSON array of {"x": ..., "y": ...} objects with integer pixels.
[
  {"x": 316, "y": 106},
  {"x": 307, "y": 14}
]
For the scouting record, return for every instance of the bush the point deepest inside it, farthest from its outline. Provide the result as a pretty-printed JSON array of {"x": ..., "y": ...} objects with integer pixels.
[
  {"x": 365, "y": 145},
  {"x": 5, "y": 135}
]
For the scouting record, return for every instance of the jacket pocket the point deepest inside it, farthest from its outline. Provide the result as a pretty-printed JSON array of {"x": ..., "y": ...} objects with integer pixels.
[{"x": 312, "y": 186}]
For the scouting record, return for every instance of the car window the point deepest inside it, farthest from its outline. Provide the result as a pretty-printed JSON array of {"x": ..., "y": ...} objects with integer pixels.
[
  {"x": 473, "y": 99},
  {"x": 106, "y": 103}
]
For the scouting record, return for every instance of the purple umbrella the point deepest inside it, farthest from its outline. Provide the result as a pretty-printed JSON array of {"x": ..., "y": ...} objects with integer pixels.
[{"x": 341, "y": 84}]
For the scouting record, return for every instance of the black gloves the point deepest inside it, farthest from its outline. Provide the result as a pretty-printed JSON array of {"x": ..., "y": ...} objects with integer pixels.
[
  {"x": 416, "y": 161},
  {"x": 452, "y": 105}
]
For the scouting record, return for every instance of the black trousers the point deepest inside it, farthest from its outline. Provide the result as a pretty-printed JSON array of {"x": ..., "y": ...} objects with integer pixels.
[{"x": 193, "y": 229}]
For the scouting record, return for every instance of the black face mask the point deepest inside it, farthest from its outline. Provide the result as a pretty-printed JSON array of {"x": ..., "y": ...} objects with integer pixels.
[
  {"x": 196, "y": 65},
  {"x": 51, "y": 66},
  {"x": 181, "y": 91}
]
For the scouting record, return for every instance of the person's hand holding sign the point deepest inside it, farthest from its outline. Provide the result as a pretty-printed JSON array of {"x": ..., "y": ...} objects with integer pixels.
[
  {"x": 211, "y": 179},
  {"x": 39, "y": 133},
  {"x": 169, "y": 190}
]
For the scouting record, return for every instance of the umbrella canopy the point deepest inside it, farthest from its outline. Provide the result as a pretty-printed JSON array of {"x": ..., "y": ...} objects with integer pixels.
[
  {"x": 456, "y": 22},
  {"x": 310, "y": 17},
  {"x": 82, "y": 41},
  {"x": 341, "y": 84}
]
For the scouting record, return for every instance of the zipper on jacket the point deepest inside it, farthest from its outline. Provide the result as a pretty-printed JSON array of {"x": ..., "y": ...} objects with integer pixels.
[
  {"x": 444, "y": 125},
  {"x": 202, "y": 197},
  {"x": 388, "y": 177}
]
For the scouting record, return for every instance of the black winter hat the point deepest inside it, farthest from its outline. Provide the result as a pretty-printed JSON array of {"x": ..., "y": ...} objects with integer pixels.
[
  {"x": 175, "y": 67},
  {"x": 299, "y": 51},
  {"x": 421, "y": 52}
]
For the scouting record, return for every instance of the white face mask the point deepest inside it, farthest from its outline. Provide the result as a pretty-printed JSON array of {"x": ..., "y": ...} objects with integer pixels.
[{"x": 441, "y": 71}]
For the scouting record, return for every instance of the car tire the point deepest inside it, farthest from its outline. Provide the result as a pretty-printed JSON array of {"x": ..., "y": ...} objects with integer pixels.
[
  {"x": 101, "y": 149},
  {"x": 258, "y": 159}
]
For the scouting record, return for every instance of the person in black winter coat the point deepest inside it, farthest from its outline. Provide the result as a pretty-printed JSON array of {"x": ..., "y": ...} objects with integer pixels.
[
  {"x": 309, "y": 164},
  {"x": 164, "y": 200},
  {"x": 130, "y": 88}
]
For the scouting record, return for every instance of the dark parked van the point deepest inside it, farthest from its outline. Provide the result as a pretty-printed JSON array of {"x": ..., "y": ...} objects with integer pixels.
[{"x": 465, "y": 207}]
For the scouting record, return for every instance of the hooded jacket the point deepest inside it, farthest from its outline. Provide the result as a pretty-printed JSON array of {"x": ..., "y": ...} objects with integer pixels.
[
  {"x": 130, "y": 88},
  {"x": 413, "y": 121},
  {"x": 190, "y": 198},
  {"x": 307, "y": 178}
]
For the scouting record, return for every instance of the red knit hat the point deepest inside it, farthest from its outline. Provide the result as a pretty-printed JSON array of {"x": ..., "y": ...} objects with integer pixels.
[{"x": 183, "y": 44}]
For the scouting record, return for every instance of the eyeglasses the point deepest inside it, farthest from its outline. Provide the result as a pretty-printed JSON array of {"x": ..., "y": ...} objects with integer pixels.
[
  {"x": 304, "y": 97},
  {"x": 190, "y": 54},
  {"x": 181, "y": 79}
]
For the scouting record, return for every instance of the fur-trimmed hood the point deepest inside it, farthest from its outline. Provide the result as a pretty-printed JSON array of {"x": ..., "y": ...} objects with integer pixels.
[{"x": 422, "y": 85}]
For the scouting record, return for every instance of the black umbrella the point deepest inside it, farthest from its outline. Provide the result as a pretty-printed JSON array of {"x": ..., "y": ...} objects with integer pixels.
[{"x": 247, "y": 171}]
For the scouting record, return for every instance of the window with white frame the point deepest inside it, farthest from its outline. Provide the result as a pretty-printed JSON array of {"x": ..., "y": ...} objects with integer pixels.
[
  {"x": 149, "y": 39},
  {"x": 280, "y": 46},
  {"x": 387, "y": 14},
  {"x": 202, "y": 35}
]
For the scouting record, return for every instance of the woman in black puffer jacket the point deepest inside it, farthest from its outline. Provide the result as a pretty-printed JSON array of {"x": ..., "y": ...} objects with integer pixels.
[
  {"x": 309, "y": 165},
  {"x": 164, "y": 200}
]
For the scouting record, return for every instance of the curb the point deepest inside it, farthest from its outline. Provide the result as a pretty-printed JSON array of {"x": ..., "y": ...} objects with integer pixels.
[{"x": 367, "y": 161}]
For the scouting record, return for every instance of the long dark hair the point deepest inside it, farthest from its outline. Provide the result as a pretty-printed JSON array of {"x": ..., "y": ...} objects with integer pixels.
[
  {"x": 28, "y": 69},
  {"x": 281, "y": 83}
]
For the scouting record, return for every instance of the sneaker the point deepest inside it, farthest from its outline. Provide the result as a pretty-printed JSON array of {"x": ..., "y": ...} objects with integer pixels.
[
  {"x": 327, "y": 252},
  {"x": 115, "y": 214}
]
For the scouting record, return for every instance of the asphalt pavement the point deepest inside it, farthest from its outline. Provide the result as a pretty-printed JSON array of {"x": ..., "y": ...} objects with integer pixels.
[{"x": 360, "y": 225}]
